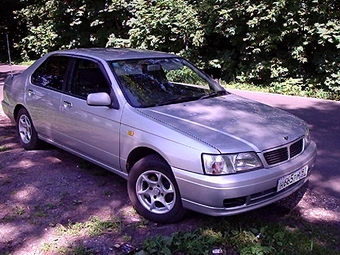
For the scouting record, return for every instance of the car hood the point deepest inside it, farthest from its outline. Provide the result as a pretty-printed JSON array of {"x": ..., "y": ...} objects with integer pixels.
[{"x": 231, "y": 123}]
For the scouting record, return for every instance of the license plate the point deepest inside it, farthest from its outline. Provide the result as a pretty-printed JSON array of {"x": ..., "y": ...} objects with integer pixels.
[{"x": 292, "y": 178}]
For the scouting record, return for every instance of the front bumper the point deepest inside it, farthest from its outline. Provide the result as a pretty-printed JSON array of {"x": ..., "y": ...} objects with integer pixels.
[{"x": 238, "y": 193}]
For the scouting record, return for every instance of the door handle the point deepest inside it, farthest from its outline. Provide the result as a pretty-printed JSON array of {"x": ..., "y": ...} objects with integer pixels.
[
  {"x": 30, "y": 92},
  {"x": 67, "y": 105}
]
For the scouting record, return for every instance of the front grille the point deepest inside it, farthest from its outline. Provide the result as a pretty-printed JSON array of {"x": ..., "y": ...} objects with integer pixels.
[
  {"x": 276, "y": 156},
  {"x": 284, "y": 153},
  {"x": 296, "y": 148}
]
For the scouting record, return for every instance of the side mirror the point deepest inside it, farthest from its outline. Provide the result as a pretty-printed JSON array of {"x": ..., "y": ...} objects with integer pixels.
[{"x": 98, "y": 99}]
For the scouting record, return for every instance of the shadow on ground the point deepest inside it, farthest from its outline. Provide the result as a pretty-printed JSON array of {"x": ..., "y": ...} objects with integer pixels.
[{"x": 45, "y": 193}]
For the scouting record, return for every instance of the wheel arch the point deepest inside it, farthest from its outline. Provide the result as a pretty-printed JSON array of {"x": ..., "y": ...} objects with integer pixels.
[
  {"x": 139, "y": 153},
  {"x": 16, "y": 111}
]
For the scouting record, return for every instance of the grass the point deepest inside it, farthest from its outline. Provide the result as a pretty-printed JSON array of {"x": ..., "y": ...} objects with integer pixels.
[
  {"x": 245, "y": 86},
  {"x": 108, "y": 193},
  {"x": 16, "y": 212},
  {"x": 24, "y": 63},
  {"x": 80, "y": 250},
  {"x": 244, "y": 234},
  {"x": 290, "y": 87},
  {"x": 93, "y": 227},
  {"x": 19, "y": 210},
  {"x": 5, "y": 148},
  {"x": 5, "y": 181},
  {"x": 42, "y": 210},
  {"x": 73, "y": 250}
]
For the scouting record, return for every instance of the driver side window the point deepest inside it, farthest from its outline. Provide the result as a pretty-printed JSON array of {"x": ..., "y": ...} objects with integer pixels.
[{"x": 88, "y": 78}]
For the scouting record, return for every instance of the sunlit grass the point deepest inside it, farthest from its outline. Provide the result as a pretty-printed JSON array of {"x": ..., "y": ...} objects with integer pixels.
[
  {"x": 93, "y": 227},
  {"x": 15, "y": 212},
  {"x": 286, "y": 88},
  {"x": 245, "y": 86},
  {"x": 244, "y": 234},
  {"x": 5, "y": 148},
  {"x": 74, "y": 250},
  {"x": 24, "y": 62}
]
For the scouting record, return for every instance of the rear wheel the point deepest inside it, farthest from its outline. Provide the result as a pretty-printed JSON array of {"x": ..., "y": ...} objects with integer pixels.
[
  {"x": 153, "y": 190},
  {"x": 27, "y": 135}
]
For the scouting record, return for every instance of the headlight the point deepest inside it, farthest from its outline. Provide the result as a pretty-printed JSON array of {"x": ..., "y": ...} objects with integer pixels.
[
  {"x": 307, "y": 138},
  {"x": 230, "y": 163}
]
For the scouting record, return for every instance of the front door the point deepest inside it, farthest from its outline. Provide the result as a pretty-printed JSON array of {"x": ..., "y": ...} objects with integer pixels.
[{"x": 90, "y": 130}]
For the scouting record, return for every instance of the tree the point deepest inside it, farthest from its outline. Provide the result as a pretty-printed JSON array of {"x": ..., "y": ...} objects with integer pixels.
[
  {"x": 57, "y": 24},
  {"x": 276, "y": 40},
  {"x": 11, "y": 27},
  {"x": 165, "y": 25},
  {"x": 259, "y": 41}
]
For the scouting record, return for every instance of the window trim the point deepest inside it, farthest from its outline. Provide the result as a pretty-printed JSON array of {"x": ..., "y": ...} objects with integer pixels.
[
  {"x": 71, "y": 71},
  {"x": 44, "y": 63}
]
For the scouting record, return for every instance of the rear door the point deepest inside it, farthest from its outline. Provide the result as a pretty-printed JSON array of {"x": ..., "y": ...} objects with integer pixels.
[
  {"x": 43, "y": 95},
  {"x": 90, "y": 130}
]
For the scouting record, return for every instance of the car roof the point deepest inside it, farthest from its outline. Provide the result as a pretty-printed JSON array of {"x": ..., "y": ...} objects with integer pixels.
[{"x": 110, "y": 54}]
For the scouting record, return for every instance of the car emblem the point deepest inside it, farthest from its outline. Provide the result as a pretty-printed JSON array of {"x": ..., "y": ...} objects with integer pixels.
[{"x": 286, "y": 137}]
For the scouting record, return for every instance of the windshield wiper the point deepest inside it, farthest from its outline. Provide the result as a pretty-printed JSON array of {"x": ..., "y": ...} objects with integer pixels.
[
  {"x": 214, "y": 94},
  {"x": 191, "y": 98},
  {"x": 179, "y": 100}
]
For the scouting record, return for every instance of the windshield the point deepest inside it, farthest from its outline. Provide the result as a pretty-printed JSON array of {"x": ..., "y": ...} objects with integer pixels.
[{"x": 154, "y": 82}]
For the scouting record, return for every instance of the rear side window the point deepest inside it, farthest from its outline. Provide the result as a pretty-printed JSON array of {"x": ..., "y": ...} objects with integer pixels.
[{"x": 52, "y": 73}]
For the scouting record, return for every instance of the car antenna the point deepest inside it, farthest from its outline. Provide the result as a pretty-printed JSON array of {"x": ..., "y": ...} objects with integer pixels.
[{"x": 9, "y": 56}]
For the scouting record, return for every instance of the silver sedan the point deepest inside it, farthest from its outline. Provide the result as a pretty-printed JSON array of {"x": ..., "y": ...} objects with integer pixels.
[{"x": 179, "y": 138}]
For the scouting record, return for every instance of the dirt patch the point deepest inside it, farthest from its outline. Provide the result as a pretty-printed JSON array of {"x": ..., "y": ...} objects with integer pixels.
[
  {"x": 52, "y": 202},
  {"x": 45, "y": 192}
]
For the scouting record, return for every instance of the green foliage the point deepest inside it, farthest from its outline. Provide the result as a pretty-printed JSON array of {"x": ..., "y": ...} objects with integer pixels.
[
  {"x": 270, "y": 41},
  {"x": 195, "y": 243},
  {"x": 41, "y": 35},
  {"x": 94, "y": 227},
  {"x": 5, "y": 148},
  {"x": 57, "y": 24},
  {"x": 164, "y": 25},
  {"x": 328, "y": 61},
  {"x": 244, "y": 234},
  {"x": 292, "y": 87},
  {"x": 260, "y": 42},
  {"x": 10, "y": 27}
]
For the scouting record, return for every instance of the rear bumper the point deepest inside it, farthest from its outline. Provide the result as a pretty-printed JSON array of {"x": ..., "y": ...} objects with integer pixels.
[
  {"x": 238, "y": 193},
  {"x": 8, "y": 111}
]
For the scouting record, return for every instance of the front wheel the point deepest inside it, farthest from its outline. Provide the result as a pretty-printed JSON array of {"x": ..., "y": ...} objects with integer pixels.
[
  {"x": 27, "y": 135},
  {"x": 153, "y": 190}
]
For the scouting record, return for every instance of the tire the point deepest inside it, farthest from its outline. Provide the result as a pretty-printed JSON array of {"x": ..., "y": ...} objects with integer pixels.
[
  {"x": 26, "y": 132},
  {"x": 153, "y": 190}
]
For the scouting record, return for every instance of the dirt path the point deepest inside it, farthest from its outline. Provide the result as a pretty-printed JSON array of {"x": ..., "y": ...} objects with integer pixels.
[{"x": 43, "y": 193}]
